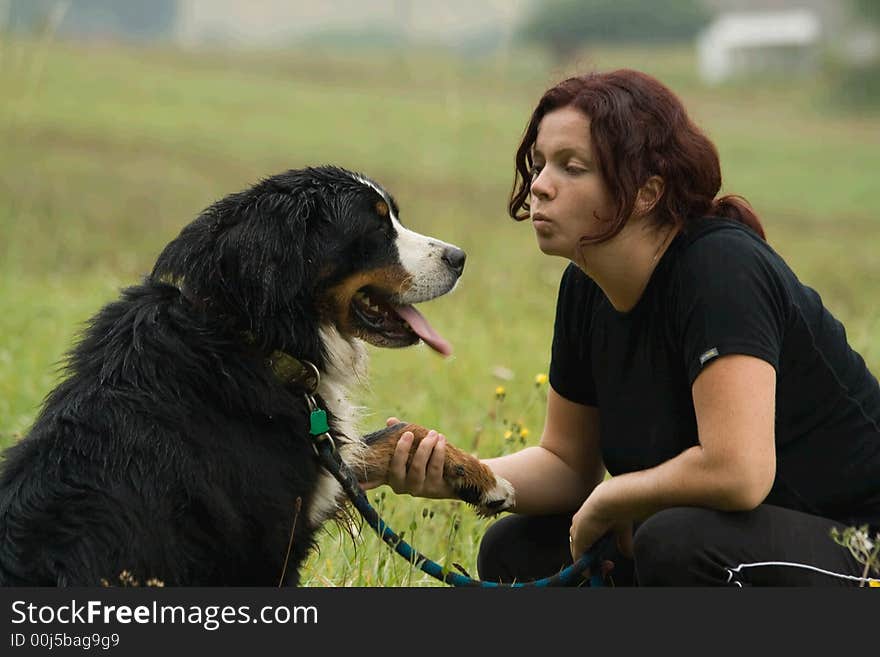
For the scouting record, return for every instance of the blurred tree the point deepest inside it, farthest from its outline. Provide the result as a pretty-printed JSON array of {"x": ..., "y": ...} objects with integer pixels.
[
  {"x": 564, "y": 25},
  {"x": 141, "y": 19},
  {"x": 856, "y": 83},
  {"x": 869, "y": 9}
]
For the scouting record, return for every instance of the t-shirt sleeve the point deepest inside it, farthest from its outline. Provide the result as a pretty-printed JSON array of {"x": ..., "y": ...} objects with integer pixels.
[
  {"x": 731, "y": 299},
  {"x": 571, "y": 373}
]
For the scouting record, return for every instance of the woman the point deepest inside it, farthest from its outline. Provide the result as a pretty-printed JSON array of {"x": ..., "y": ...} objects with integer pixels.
[{"x": 738, "y": 425}]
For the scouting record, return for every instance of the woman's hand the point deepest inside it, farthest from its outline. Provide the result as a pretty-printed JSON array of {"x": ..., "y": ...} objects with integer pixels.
[
  {"x": 424, "y": 476},
  {"x": 592, "y": 521}
]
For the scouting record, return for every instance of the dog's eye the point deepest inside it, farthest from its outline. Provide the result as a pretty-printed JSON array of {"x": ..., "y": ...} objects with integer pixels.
[{"x": 382, "y": 208}]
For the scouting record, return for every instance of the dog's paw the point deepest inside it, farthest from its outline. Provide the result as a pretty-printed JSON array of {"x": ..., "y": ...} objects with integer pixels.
[
  {"x": 497, "y": 499},
  {"x": 475, "y": 483}
]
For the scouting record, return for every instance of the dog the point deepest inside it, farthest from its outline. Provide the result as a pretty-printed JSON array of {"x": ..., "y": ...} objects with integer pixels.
[{"x": 177, "y": 449}]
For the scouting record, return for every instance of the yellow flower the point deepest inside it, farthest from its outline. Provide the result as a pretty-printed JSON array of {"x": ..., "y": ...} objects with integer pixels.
[
  {"x": 508, "y": 434},
  {"x": 540, "y": 379},
  {"x": 524, "y": 432},
  {"x": 500, "y": 392},
  {"x": 874, "y": 583}
]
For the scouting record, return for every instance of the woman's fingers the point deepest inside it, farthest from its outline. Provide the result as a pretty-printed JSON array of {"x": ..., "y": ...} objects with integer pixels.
[
  {"x": 424, "y": 475},
  {"x": 415, "y": 475},
  {"x": 397, "y": 466},
  {"x": 434, "y": 475},
  {"x": 390, "y": 422}
]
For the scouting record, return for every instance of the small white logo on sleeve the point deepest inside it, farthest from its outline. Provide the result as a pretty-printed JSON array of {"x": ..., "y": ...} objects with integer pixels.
[{"x": 708, "y": 355}]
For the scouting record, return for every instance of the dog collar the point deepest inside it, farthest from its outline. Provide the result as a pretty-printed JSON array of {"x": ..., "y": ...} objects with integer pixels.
[
  {"x": 289, "y": 370},
  {"x": 292, "y": 371}
]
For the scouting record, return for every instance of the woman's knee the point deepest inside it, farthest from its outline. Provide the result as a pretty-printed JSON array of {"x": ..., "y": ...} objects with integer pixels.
[
  {"x": 521, "y": 548},
  {"x": 491, "y": 555},
  {"x": 669, "y": 548}
]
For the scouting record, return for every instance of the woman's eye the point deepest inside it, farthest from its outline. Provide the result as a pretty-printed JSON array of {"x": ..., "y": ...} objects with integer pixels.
[
  {"x": 574, "y": 170},
  {"x": 536, "y": 170}
]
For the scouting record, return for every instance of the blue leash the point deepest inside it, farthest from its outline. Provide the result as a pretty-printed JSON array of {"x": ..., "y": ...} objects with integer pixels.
[{"x": 570, "y": 576}]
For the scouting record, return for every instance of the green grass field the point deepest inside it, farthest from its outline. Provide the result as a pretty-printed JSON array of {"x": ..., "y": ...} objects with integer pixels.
[{"x": 106, "y": 152}]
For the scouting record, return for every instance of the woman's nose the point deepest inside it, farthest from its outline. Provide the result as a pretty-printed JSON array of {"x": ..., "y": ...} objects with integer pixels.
[{"x": 540, "y": 186}]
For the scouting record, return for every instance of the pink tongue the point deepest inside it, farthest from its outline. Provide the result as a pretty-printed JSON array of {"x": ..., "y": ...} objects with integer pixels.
[{"x": 424, "y": 330}]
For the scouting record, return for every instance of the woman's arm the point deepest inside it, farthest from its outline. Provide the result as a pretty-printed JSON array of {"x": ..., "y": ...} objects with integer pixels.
[
  {"x": 731, "y": 469},
  {"x": 560, "y": 472}
]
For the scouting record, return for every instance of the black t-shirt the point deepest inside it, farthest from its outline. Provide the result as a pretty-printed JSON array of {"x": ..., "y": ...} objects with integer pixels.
[{"x": 720, "y": 289}]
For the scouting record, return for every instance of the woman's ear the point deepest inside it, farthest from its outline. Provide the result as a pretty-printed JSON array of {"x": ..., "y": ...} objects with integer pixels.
[{"x": 649, "y": 195}]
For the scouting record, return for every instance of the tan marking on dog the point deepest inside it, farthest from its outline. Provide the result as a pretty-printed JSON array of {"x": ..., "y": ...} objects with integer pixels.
[{"x": 337, "y": 300}]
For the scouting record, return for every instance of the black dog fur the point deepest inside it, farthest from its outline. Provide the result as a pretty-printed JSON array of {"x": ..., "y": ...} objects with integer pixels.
[{"x": 171, "y": 451}]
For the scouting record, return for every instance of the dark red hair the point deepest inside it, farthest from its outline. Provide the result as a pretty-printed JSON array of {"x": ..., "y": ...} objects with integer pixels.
[{"x": 638, "y": 129}]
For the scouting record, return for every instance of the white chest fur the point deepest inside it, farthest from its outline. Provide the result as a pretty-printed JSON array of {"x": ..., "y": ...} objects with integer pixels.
[{"x": 345, "y": 368}]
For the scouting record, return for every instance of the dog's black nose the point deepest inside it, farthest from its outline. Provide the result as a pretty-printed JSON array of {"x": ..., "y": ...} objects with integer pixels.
[{"x": 455, "y": 259}]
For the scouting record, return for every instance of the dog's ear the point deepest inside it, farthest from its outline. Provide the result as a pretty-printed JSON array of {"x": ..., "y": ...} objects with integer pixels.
[{"x": 250, "y": 257}]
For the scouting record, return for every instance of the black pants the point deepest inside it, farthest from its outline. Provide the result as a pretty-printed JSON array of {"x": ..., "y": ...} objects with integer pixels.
[{"x": 684, "y": 546}]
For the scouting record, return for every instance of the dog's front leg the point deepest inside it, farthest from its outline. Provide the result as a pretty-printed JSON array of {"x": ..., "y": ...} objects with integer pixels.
[{"x": 472, "y": 481}]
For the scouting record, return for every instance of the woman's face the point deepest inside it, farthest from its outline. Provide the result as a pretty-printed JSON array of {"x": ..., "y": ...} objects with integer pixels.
[{"x": 567, "y": 191}]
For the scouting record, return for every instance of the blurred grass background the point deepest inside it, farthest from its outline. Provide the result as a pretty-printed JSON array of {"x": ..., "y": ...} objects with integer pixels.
[{"x": 106, "y": 151}]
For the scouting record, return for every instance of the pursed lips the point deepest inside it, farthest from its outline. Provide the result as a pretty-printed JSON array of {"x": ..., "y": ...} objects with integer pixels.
[{"x": 540, "y": 217}]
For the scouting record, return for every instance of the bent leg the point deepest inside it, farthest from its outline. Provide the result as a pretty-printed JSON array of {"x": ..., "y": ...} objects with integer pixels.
[
  {"x": 524, "y": 548},
  {"x": 768, "y": 546}
]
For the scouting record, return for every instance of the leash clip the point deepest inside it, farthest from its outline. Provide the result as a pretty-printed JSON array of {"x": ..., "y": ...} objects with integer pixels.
[
  {"x": 319, "y": 428},
  {"x": 320, "y": 440}
]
